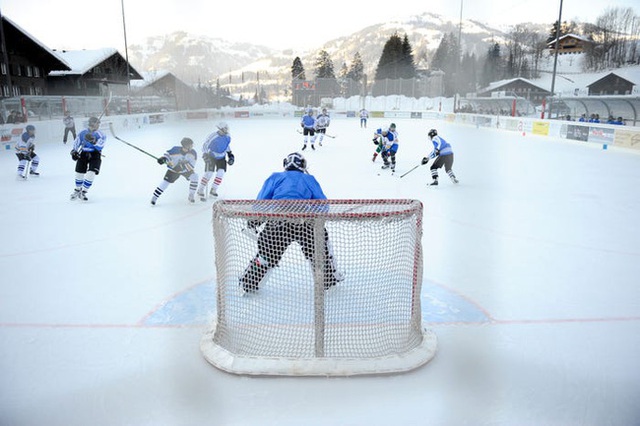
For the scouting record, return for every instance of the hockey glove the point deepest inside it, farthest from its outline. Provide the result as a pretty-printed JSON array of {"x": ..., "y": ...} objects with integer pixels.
[
  {"x": 75, "y": 155},
  {"x": 89, "y": 137},
  {"x": 162, "y": 160},
  {"x": 232, "y": 159},
  {"x": 425, "y": 160}
]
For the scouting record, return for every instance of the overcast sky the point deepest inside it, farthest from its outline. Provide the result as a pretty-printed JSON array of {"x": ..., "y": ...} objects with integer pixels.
[{"x": 81, "y": 24}]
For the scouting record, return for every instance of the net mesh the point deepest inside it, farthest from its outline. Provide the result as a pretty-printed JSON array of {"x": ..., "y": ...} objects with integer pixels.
[{"x": 304, "y": 280}]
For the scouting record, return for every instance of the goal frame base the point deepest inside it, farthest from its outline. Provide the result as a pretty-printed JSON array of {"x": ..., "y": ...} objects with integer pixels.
[{"x": 268, "y": 366}]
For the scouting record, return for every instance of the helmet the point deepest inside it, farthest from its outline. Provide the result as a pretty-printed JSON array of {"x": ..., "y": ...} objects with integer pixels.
[
  {"x": 392, "y": 126},
  {"x": 324, "y": 110},
  {"x": 432, "y": 133},
  {"x": 186, "y": 143},
  {"x": 94, "y": 123},
  {"x": 30, "y": 128},
  {"x": 295, "y": 161},
  {"x": 223, "y": 127}
]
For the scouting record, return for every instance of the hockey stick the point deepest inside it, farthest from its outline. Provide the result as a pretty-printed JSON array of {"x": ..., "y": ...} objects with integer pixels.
[
  {"x": 406, "y": 173},
  {"x": 104, "y": 110},
  {"x": 131, "y": 145},
  {"x": 27, "y": 167},
  {"x": 326, "y": 134}
]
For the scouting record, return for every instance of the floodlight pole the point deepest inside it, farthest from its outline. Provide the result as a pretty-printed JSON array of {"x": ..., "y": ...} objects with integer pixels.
[
  {"x": 126, "y": 56},
  {"x": 555, "y": 60}
]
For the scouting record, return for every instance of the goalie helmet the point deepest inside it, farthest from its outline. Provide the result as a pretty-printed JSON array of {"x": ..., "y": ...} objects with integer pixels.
[
  {"x": 295, "y": 161},
  {"x": 432, "y": 133},
  {"x": 94, "y": 123},
  {"x": 186, "y": 143},
  {"x": 223, "y": 127}
]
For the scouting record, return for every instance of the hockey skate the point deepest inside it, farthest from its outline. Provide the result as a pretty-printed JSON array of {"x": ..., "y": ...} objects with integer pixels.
[
  {"x": 75, "y": 194},
  {"x": 203, "y": 197},
  {"x": 83, "y": 195},
  {"x": 253, "y": 275},
  {"x": 304, "y": 146},
  {"x": 213, "y": 192},
  {"x": 313, "y": 147},
  {"x": 385, "y": 166},
  {"x": 192, "y": 198},
  {"x": 434, "y": 183},
  {"x": 32, "y": 173}
]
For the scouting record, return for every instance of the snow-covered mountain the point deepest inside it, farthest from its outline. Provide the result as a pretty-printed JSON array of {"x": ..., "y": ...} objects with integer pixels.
[{"x": 194, "y": 58}]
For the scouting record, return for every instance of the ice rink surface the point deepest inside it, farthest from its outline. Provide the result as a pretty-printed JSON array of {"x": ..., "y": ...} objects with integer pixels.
[{"x": 531, "y": 283}]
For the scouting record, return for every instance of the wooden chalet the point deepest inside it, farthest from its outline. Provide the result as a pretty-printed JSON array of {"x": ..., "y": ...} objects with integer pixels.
[
  {"x": 518, "y": 87},
  {"x": 25, "y": 62},
  {"x": 92, "y": 73},
  {"x": 569, "y": 43},
  {"x": 613, "y": 84},
  {"x": 166, "y": 85}
]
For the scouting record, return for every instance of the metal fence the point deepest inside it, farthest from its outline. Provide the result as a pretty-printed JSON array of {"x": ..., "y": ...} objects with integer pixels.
[{"x": 39, "y": 108}]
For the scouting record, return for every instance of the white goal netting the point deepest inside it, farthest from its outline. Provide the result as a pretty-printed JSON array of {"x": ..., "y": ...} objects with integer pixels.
[{"x": 322, "y": 287}]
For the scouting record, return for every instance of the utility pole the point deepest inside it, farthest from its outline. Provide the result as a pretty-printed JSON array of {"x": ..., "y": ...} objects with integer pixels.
[
  {"x": 126, "y": 56},
  {"x": 555, "y": 60}
]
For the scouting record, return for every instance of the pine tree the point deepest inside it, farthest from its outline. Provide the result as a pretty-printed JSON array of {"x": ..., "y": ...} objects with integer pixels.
[
  {"x": 391, "y": 59},
  {"x": 297, "y": 70},
  {"x": 356, "y": 70},
  {"x": 408, "y": 66},
  {"x": 324, "y": 65}
]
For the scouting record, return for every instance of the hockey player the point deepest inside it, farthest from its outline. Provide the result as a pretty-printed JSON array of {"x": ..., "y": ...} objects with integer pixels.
[
  {"x": 376, "y": 136},
  {"x": 387, "y": 146},
  {"x": 216, "y": 153},
  {"x": 322, "y": 122},
  {"x": 308, "y": 124},
  {"x": 443, "y": 155},
  {"x": 364, "y": 116},
  {"x": 294, "y": 183},
  {"x": 180, "y": 161},
  {"x": 25, "y": 151},
  {"x": 69, "y": 126},
  {"x": 87, "y": 153}
]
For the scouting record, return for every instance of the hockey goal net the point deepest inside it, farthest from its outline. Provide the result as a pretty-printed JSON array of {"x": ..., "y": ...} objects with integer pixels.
[{"x": 321, "y": 287}]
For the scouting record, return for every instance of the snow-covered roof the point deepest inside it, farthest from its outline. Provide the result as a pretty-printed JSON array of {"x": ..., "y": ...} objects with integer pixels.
[
  {"x": 501, "y": 83},
  {"x": 148, "y": 78},
  {"x": 570, "y": 35},
  {"x": 36, "y": 41},
  {"x": 82, "y": 61}
]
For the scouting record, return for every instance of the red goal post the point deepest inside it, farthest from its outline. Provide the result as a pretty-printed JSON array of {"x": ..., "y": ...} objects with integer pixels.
[{"x": 337, "y": 293}]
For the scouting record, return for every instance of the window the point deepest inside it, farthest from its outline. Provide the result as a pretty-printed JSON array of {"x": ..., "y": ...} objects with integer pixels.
[
  {"x": 36, "y": 72},
  {"x": 29, "y": 71},
  {"x": 3, "y": 67}
]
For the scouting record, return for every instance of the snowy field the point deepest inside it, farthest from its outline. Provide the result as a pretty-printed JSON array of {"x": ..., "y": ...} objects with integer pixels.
[{"x": 532, "y": 266}]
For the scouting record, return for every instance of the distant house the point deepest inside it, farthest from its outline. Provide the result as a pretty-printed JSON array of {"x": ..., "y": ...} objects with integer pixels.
[
  {"x": 519, "y": 87},
  {"x": 614, "y": 84},
  {"x": 92, "y": 73},
  {"x": 166, "y": 85},
  {"x": 569, "y": 43},
  {"x": 25, "y": 62}
]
